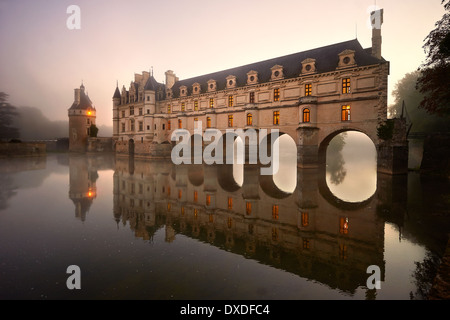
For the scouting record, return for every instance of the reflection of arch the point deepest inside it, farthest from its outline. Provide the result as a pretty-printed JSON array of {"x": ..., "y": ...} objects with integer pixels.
[
  {"x": 196, "y": 175},
  {"x": 225, "y": 178},
  {"x": 326, "y": 193},
  {"x": 131, "y": 147},
  {"x": 270, "y": 188},
  {"x": 326, "y": 141}
]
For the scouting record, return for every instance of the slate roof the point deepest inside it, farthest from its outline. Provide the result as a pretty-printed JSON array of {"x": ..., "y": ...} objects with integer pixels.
[
  {"x": 327, "y": 59},
  {"x": 85, "y": 103},
  {"x": 117, "y": 93}
]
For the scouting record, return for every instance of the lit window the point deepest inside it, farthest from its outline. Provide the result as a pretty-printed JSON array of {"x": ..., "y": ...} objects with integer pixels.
[
  {"x": 345, "y": 113},
  {"x": 196, "y": 105},
  {"x": 230, "y": 203},
  {"x": 230, "y": 101},
  {"x": 180, "y": 193},
  {"x": 195, "y": 213},
  {"x": 346, "y": 85},
  {"x": 211, "y": 102},
  {"x": 195, "y": 196},
  {"x": 305, "y": 219},
  {"x": 306, "y": 243},
  {"x": 308, "y": 89},
  {"x": 276, "y": 95},
  {"x": 230, "y": 120},
  {"x": 248, "y": 208},
  {"x": 276, "y": 117},
  {"x": 229, "y": 222},
  {"x": 180, "y": 124},
  {"x": 252, "y": 97},
  {"x": 208, "y": 122},
  {"x": 208, "y": 200},
  {"x": 306, "y": 115},
  {"x": 169, "y": 109},
  {"x": 168, "y": 191},
  {"x": 195, "y": 120},
  {"x": 168, "y": 207},
  {"x": 249, "y": 119},
  {"x": 169, "y": 125},
  {"x": 183, "y": 106},
  {"x": 275, "y": 210},
  {"x": 182, "y": 210},
  {"x": 343, "y": 225}
]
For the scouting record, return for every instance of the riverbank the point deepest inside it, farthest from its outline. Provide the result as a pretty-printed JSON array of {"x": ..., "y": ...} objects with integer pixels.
[{"x": 440, "y": 289}]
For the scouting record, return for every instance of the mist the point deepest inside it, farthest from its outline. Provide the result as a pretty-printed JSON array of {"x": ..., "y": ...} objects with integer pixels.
[{"x": 34, "y": 125}]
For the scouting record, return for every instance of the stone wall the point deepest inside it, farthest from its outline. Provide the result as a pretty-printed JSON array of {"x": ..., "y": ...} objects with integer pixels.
[{"x": 22, "y": 150}]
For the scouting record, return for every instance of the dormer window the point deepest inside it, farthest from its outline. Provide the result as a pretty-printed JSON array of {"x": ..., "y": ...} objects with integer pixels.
[
  {"x": 346, "y": 59},
  {"x": 231, "y": 82},
  {"x": 308, "y": 66},
  {"x": 277, "y": 72},
  {"x": 196, "y": 88},
  {"x": 252, "y": 77},
  {"x": 183, "y": 91},
  {"x": 169, "y": 93},
  {"x": 211, "y": 85}
]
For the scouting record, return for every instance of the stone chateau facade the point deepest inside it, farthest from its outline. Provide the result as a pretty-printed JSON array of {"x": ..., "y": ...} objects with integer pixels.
[{"x": 312, "y": 96}]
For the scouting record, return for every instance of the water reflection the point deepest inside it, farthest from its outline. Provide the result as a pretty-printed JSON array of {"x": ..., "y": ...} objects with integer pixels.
[
  {"x": 301, "y": 232},
  {"x": 352, "y": 167}
]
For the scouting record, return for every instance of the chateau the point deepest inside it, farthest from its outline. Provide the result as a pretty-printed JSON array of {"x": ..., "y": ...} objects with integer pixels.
[{"x": 312, "y": 96}]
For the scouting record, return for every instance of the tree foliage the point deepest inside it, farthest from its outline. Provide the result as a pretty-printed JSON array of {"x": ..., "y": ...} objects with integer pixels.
[
  {"x": 434, "y": 77},
  {"x": 93, "y": 131},
  {"x": 8, "y": 113},
  {"x": 406, "y": 92}
]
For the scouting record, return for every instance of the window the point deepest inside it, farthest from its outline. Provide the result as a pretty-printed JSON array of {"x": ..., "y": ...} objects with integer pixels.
[
  {"x": 131, "y": 111},
  {"x": 305, "y": 219},
  {"x": 276, "y": 117},
  {"x": 274, "y": 234},
  {"x": 211, "y": 218},
  {"x": 342, "y": 251},
  {"x": 195, "y": 120},
  {"x": 195, "y": 196},
  {"x": 182, "y": 210},
  {"x": 148, "y": 127},
  {"x": 195, "y": 213},
  {"x": 306, "y": 115},
  {"x": 132, "y": 125},
  {"x": 208, "y": 200},
  {"x": 123, "y": 113},
  {"x": 123, "y": 127},
  {"x": 168, "y": 191},
  {"x": 88, "y": 121},
  {"x": 249, "y": 119},
  {"x": 343, "y": 225},
  {"x": 252, "y": 97},
  {"x": 230, "y": 203},
  {"x": 168, "y": 207},
  {"x": 169, "y": 109},
  {"x": 141, "y": 111},
  {"x": 183, "y": 106},
  {"x": 230, "y": 120},
  {"x": 141, "y": 126},
  {"x": 180, "y": 124},
  {"x": 230, "y": 101},
  {"x": 196, "y": 105},
  {"x": 211, "y": 102},
  {"x": 148, "y": 98},
  {"x": 276, "y": 95},
  {"x": 229, "y": 222},
  {"x": 148, "y": 111},
  {"x": 180, "y": 193},
  {"x": 306, "y": 243},
  {"x": 345, "y": 113},
  {"x": 308, "y": 89},
  {"x": 208, "y": 122},
  {"x": 164, "y": 126},
  {"x": 346, "y": 85},
  {"x": 275, "y": 210},
  {"x": 169, "y": 126},
  {"x": 248, "y": 208}
]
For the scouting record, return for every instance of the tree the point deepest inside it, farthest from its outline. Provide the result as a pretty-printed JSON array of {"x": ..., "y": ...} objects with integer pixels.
[
  {"x": 434, "y": 77},
  {"x": 406, "y": 93},
  {"x": 93, "y": 131},
  {"x": 7, "y": 115}
]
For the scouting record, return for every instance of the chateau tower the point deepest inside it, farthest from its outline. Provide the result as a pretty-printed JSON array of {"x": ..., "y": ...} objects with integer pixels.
[{"x": 82, "y": 115}]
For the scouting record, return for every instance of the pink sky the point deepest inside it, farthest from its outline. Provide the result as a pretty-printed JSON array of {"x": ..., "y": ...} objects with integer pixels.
[{"x": 42, "y": 61}]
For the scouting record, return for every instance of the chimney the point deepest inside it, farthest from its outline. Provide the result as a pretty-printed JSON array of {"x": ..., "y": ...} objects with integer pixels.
[
  {"x": 170, "y": 79},
  {"x": 77, "y": 95},
  {"x": 376, "y": 20}
]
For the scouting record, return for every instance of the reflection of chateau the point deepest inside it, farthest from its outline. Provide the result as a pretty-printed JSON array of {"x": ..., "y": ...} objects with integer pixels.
[
  {"x": 83, "y": 174},
  {"x": 308, "y": 233}
]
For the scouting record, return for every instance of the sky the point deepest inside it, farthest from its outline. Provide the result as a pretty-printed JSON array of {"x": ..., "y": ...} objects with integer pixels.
[{"x": 42, "y": 61}]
